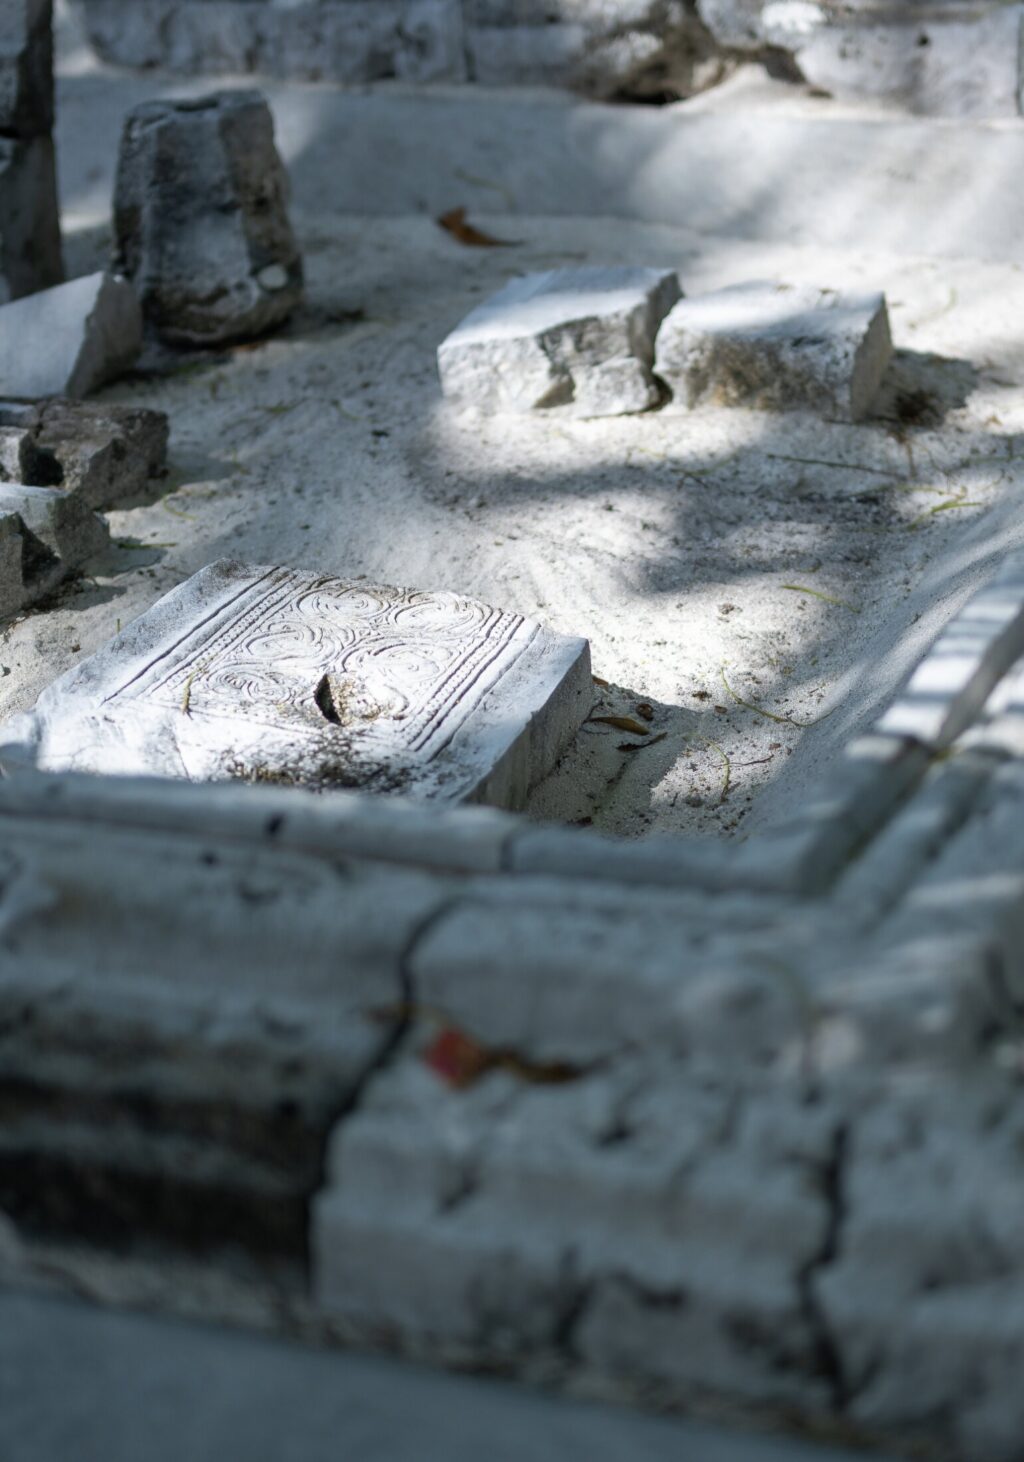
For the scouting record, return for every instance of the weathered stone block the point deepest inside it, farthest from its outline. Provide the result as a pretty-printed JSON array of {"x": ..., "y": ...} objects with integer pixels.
[
  {"x": 581, "y": 338},
  {"x": 492, "y": 1218},
  {"x": 185, "y": 1016},
  {"x": 314, "y": 40},
  {"x": 502, "y": 55},
  {"x": 26, "y": 68},
  {"x": 954, "y": 61},
  {"x": 282, "y": 676},
  {"x": 27, "y": 569},
  {"x": 19, "y": 421},
  {"x": 950, "y": 686},
  {"x": 44, "y": 536},
  {"x": 69, "y": 340},
  {"x": 777, "y": 347},
  {"x": 200, "y": 218},
  {"x": 70, "y": 530},
  {"x": 103, "y": 454},
  {"x": 30, "y": 249}
]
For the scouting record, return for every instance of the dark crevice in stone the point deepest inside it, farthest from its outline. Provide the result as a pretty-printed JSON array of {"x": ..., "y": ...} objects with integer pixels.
[
  {"x": 827, "y": 1352},
  {"x": 578, "y": 1298},
  {"x": 37, "y": 560},
  {"x": 50, "y": 1195}
]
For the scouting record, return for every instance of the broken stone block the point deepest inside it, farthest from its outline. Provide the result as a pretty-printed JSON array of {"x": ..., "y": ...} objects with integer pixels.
[
  {"x": 21, "y": 559},
  {"x": 105, "y": 455},
  {"x": 200, "y": 218},
  {"x": 581, "y": 338},
  {"x": 276, "y": 675},
  {"x": 30, "y": 249},
  {"x": 44, "y": 537},
  {"x": 26, "y": 68},
  {"x": 69, "y": 340},
  {"x": 60, "y": 521},
  {"x": 777, "y": 347},
  {"x": 19, "y": 421}
]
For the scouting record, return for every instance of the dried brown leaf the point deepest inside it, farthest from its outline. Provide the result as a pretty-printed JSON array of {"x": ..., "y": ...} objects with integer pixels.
[
  {"x": 455, "y": 223},
  {"x": 624, "y": 723}
]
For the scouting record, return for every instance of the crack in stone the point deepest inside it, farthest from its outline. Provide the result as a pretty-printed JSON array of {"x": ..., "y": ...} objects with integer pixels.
[
  {"x": 390, "y": 1047},
  {"x": 827, "y": 1348}
]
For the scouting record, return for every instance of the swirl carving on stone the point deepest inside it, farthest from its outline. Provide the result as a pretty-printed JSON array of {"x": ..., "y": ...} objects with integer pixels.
[{"x": 400, "y": 669}]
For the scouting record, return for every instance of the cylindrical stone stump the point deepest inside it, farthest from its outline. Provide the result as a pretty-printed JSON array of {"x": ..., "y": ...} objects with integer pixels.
[{"x": 200, "y": 218}]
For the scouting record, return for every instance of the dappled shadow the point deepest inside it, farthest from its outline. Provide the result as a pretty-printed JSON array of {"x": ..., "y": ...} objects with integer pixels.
[
  {"x": 739, "y": 573},
  {"x": 920, "y": 389}
]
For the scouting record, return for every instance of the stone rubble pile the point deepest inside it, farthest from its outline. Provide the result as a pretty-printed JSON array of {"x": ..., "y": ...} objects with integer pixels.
[
  {"x": 104, "y": 454},
  {"x": 205, "y": 254},
  {"x": 603, "y": 342}
]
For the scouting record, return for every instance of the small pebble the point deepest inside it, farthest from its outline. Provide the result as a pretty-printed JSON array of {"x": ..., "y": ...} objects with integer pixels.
[{"x": 273, "y": 277}]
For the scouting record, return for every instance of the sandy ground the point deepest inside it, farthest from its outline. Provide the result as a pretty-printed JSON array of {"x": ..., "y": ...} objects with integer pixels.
[{"x": 753, "y": 586}]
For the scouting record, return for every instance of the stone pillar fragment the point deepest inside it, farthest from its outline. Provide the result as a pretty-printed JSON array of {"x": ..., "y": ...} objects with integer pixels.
[
  {"x": 200, "y": 218},
  {"x": 26, "y": 68},
  {"x": 30, "y": 252}
]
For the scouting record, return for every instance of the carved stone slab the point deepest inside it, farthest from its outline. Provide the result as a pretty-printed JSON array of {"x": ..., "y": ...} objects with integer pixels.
[{"x": 283, "y": 676}]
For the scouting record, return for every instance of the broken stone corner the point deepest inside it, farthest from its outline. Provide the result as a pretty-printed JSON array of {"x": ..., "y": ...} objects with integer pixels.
[{"x": 69, "y": 340}]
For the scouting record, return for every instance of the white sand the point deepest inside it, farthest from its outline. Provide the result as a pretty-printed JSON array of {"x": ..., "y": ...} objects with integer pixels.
[{"x": 671, "y": 539}]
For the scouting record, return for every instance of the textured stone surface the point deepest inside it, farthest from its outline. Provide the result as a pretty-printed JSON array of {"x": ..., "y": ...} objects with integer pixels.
[
  {"x": 28, "y": 570},
  {"x": 105, "y": 455},
  {"x": 69, "y": 340},
  {"x": 628, "y": 1138},
  {"x": 30, "y": 246},
  {"x": 45, "y": 535},
  {"x": 64, "y": 523},
  {"x": 582, "y": 338},
  {"x": 314, "y": 40},
  {"x": 775, "y": 347},
  {"x": 200, "y": 218},
  {"x": 26, "y": 68},
  {"x": 278, "y": 675},
  {"x": 954, "y": 680},
  {"x": 229, "y": 1038},
  {"x": 448, "y": 1214},
  {"x": 931, "y": 57}
]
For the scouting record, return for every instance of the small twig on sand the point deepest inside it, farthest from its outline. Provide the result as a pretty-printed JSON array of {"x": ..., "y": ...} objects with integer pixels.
[{"x": 769, "y": 715}]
